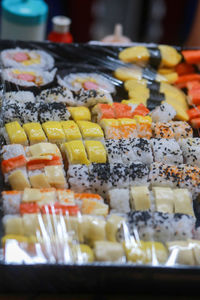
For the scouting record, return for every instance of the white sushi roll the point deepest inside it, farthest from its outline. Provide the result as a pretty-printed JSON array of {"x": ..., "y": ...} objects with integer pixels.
[
  {"x": 191, "y": 151},
  {"x": 11, "y": 202},
  {"x": 138, "y": 174},
  {"x": 21, "y": 112},
  {"x": 141, "y": 150},
  {"x": 19, "y": 57},
  {"x": 53, "y": 112},
  {"x": 163, "y": 113},
  {"x": 113, "y": 151},
  {"x": 27, "y": 77},
  {"x": 19, "y": 97},
  {"x": 119, "y": 175},
  {"x": 166, "y": 151},
  {"x": 10, "y": 151},
  {"x": 78, "y": 178},
  {"x": 119, "y": 200},
  {"x": 56, "y": 94}
]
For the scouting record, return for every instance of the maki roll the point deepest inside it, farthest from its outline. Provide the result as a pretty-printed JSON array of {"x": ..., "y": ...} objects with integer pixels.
[
  {"x": 23, "y": 78},
  {"x": 13, "y": 133},
  {"x": 80, "y": 113},
  {"x": 144, "y": 129},
  {"x": 181, "y": 130},
  {"x": 128, "y": 128},
  {"x": 141, "y": 150},
  {"x": 138, "y": 174},
  {"x": 140, "y": 198},
  {"x": 17, "y": 58},
  {"x": 90, "y": 131},
  {"x": 21, "y": 112},
  {"x": 163, "y": 130},
  {"x": 79, "y": 178},
  {"x": 53, "y": 112},
  {"x": 54, "y": 132},
  {"x": 111, "y": 128},
  {"x": 167, "y": 151},
  {"x": 113, "y": 151},
  {"x": 91, "y": 97},
  {"x": 19, "y": 97},
  {"x": 95, "y": 151},
  {"x": 75, "y": 153},
  {"x": 34, "y": 133},
  {"x": 191, "y": 151},
  {"x": 119, "y": 200},
  {"x": 71, "y": 130},
  {"x": 163, "y": 113},
  {"x": 56, "y": 94}
]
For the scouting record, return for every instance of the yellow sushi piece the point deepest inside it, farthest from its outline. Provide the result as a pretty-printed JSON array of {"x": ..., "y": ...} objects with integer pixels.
[
  {"x": 16, "y": 237},
  {"x": 55, "y": 176},
  {"x": 128, "y": 128},
  {"x": 170, "y": 56},
  {"x": 34, "y": 132},
  {"x": 80, "y": 113},
  {"x": 144, "y": 126},
  {"x": 183, "y": 202},
  {"x": 95, "y": 151},
  {"x": 92, "y": 207},
  {"x": 71, "y": 130},
  {"x": 54, "y": 131},
  {"x": 140, "y": 198},
  {"x": 171, "y": 77},
  {"x": 82, "y": 253},
  {"x": 18, "y": 181},
  {"x": 164, "y": 71},
  {"x": 65, "y": 196},
  {"x": 114, "y": 222},
  {"x": 75, "y": 152},
  {"x": 139, "y": 93},
  {"x": 13, "y": 225},
  {"x": 43, "y": 149},
  {"x": 39, "y": 181},
  {"x": 90, "y": 130},
  {"x": 111, "y": 128},
  {"x": 16, "y": 133},
  {"x": 164, "y": 199},
  {"x": 137, "y": 102},
  {"x": 182, "y": 251},
  {"x": 134, "y": 54},
  {"x": 143, "y": 252}
]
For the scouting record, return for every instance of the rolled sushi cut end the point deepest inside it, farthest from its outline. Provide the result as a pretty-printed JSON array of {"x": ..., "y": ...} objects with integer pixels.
[
  {"x": 19, "y": 97},
  {"x": 95, "y": 151},
  {"x": 56, "y": 94},
  {"x": 75, "y": 152},
  {"x": 14, "y": 134},
  {"x": 35, "y": 133},
  {"x": 163, "y": 113},
  {"x": 140, "y": 198},
  {"x": 80, "y": 113},
  {"x": 119, "y": 200},
  {"x": 54, "y": 132},
  {"x": 71, "y": 130},
  {"x": 53, "y": 112},
  {"x": 21, "y": 112},
  {"x": 191, "y": 151},
  {"x": 90, "y": 130},
  {"x": 111, "y": 128},
  {"x": 19, "y": 57}
]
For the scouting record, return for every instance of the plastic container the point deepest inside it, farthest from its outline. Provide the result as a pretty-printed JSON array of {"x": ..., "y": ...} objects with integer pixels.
[
  {"x": 60, "y": 32},
  {"x": 24, "y": 19}
]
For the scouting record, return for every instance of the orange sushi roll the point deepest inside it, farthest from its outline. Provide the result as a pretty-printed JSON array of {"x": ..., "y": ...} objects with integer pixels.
[
  {"x": 144, "y": 126},
  {"x": 128, "y": 128},
  {"x": 103, "y": 111},
  {"x": 122, "y": 110}
]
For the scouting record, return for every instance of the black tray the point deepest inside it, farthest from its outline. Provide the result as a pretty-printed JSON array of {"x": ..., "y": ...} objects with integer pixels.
[{"x": 96, "y": 277}]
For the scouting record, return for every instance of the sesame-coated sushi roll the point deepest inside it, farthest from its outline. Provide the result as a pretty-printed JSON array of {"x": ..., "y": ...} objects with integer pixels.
[
  {"x": 183, "y": 227},
  {"x": 163, "y": 226},
  {"x": 113, "y": 150},
  {"x": 163, "y": 130},
  {"x": 111, "y": 128},
  {"x": 141, "y": 150},
  {"x": 167, "y": 151},
  {"x": 182, "y": 130},
  {"x": 163, "y": 113},
  {"x": 191, "y": 151},
  {"x": 21, "y": 112},
  {"x": 90, "y": 98},
  {"x": 165, "y": 175},
  {"x": 80, "y": 113},
  {"x": 119, "y": 200},
  {"x": 120, "y": 175},
  {"x": 53, "y": 112},
  {"x": 14, "y": 134},
  {"x": 79, "y": 178},
  {"x": 138, "y": 174},
  {"x": 19, "y": 57},
  {"x": 19, "y": 97},
  {"x": 190, "y": 178},
  {"x": 56, "y": 94},
  {"x": 35, "y": 133}
]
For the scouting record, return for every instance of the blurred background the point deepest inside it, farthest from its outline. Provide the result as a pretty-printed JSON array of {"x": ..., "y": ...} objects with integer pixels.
[{"x": 161, "y": 21}]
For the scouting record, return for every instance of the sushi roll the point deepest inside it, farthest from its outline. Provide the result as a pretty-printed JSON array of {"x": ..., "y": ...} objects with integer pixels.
[
  {"x": 140, "y": 198},
  {"x": 183, "y": 202},
  {"x": 88, "y": 81},
  {"x": 182, "y": 130},
  {"x": 53, "y": 112},
  {"x": 21, "y": 112},
  {"x": 19, "y": 97},
  {"x": 34, "y": 133},
  {"x": 91, "y": 97},
  {"x": 90, "y": 131},
  {"x": 119, "y": 200},
  {"x": 54, "y": 132},
  {"x": 43, "y": 149},
  {"x": 71, "y": 130},
  {"x": 138, "y": 174},
  {"x": 128, "y": 128},
  {"x": 95, "y": 151},
  {"x": 191, "y": 151},
  {"x": 75, "y": 152},
  {"x": 141, "y": 150},
  {"x": 111, "y": 128},
  {"x": 163, "y": 130},
  {"x": 161, "y": 56},
  {"x": 119, "y": 175},
  {"x": 102, "y": 111},
  {"x": 190, "y": 179},
  {"x": 79, "y": 179},
  {"x": 56, "y": 94},
  {"x": 93, "y": 228},
  {"x": 122, "y": 110},
  {"x": 18, "y": 58},
  {"x": 181, "y": 252},
  {"x": 109, "y": 251},
  {"x": 143, "y": 126},
  {"x": 80, "y": 113},
  {"x": 13, "y": 133},
  {"x": 27, "y": 78},
  {"x": 11, "y": 151},
  {"x": 113, "y": 151},
  {"x": 164, "y": 199},
  {"x": 166, "y": 151},
  {"x": 165, "y": 175},
  {"x": 94, "y": 207},
  {"x": 163, "y": 113}
]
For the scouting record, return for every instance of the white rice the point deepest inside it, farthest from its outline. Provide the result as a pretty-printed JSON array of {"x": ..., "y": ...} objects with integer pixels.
[
  {"x": 11, "y": 203},
  {"x": 163, "y": 113},
  {"x": 10, "y": 151},
  {"x": 119, "y": 200},
  {"x": 19, "y": 97}
]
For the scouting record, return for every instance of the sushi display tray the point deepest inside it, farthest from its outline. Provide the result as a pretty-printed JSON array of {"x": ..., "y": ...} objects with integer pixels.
[{"x": 95, "y": 277}]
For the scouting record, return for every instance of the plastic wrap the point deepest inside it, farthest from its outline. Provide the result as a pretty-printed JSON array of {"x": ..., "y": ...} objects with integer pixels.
[{"x": 136, "y": 206}]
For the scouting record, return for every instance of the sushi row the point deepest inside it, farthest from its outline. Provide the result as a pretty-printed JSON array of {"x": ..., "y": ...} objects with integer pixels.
[
  {"x": 52, "y": 201},
  {"x": 41, "y": 242},
  {"x": 161, "y": 199}
]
